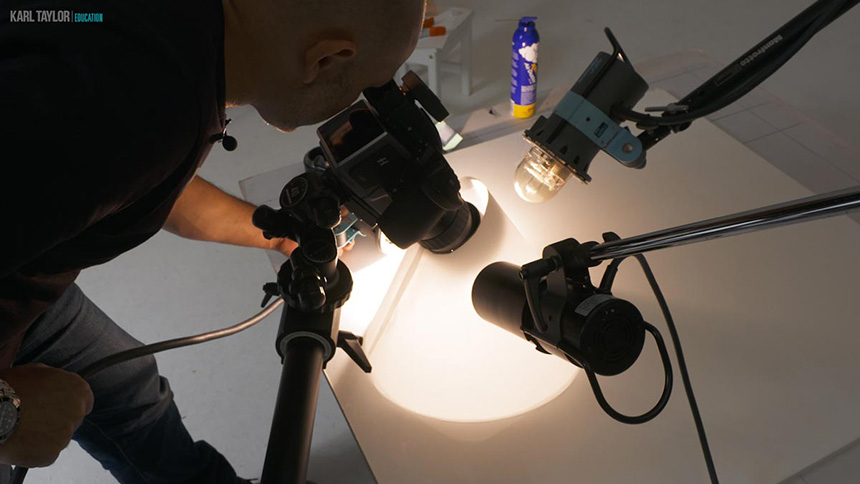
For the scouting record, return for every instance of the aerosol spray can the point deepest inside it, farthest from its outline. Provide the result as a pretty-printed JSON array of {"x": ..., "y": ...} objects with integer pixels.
[{"x": 524, "y": 68}]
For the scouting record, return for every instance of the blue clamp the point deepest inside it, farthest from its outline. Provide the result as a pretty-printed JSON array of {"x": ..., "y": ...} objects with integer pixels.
[
  {"x": 618, "y": 142},
  {"x": 346, "y": 231}
]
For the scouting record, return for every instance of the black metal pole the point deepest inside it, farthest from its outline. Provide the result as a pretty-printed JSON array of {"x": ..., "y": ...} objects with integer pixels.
[
  {"x": 750, "y": 64},
  {"x": 293, "y": 423},
  {"x": 771, "y": 47}
]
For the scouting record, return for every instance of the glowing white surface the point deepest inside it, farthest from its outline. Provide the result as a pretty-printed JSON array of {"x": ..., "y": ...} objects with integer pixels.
[
  {"x": 368, "y": 289},
  {"x": 436, "y": 357},
  {"x": 775, "y": 396}
]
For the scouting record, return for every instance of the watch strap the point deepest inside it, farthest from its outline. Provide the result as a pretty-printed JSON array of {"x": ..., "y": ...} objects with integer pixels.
[
  {"x": 7, "y": 393},
  {"x": 6, "y": 389}
]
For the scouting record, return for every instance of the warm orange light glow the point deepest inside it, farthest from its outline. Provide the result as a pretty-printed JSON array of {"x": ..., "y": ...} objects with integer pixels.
[
  {"x": 372, "y": 273},
  {"x": 435, "y": 356},
  {"x": 374, "y": 263}
]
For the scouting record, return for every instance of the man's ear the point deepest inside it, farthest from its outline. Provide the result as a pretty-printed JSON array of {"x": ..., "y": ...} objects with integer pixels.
[{"x": 323, "y": 55}]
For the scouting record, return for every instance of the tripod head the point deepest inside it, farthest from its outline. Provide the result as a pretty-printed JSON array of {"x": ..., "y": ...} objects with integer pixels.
[
  {"x": 382, "y": 159},
  {"x": 313, "y": 282}
]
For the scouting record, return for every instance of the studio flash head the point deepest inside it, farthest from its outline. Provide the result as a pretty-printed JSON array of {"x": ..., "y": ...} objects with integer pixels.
[
  {"x": 552, "y": 303},
  {"x": 603, "y": 330},
  {"x": 581, "y": 125}
]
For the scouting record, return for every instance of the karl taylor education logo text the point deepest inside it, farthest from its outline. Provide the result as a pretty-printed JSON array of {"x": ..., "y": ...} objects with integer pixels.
[{"x": 53, "y": 16}]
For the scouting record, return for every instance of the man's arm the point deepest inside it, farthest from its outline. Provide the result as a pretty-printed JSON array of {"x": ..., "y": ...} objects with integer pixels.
[{"x": 205, "y": 212}]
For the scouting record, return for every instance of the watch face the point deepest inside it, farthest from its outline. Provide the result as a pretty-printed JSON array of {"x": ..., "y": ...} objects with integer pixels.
[{"x": 8, "y": 417}]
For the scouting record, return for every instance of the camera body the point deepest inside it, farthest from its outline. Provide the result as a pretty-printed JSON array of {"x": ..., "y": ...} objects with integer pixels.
[{"x": 384, "y": 156}]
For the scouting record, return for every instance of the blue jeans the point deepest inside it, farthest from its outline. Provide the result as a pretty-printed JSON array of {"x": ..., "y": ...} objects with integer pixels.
[{"x": 135, "y": 430}]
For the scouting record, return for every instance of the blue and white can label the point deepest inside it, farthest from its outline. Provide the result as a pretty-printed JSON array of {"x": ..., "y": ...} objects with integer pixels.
[{"x": 524, "y": 68}]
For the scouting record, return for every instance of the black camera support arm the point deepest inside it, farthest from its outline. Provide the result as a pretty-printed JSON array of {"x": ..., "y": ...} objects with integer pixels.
[{"x": 742, "y": 75}]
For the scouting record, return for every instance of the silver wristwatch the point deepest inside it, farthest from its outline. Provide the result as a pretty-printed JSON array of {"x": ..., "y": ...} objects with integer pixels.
[{"x": 10, "y": 411}]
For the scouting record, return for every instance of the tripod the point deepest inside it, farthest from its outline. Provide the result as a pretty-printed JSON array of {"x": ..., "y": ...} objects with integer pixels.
[{"x": 314, "y": 285}]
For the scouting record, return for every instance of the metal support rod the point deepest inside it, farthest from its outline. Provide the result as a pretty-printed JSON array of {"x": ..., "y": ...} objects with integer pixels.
[
  {"x": 293, "y": 423},
  {"x": 749, "y": 63},
  {"x": 820, "y": 206}
]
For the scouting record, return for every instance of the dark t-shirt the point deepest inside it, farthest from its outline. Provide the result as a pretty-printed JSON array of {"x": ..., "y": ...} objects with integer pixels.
[{"x": 102, "y": 125}]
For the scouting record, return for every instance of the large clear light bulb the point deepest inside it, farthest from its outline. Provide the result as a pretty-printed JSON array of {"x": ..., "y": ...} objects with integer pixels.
[{"x": 539, "y": 177}]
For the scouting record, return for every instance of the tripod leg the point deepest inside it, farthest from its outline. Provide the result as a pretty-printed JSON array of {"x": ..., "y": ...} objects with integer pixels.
[{"x": 292, "y": 426}]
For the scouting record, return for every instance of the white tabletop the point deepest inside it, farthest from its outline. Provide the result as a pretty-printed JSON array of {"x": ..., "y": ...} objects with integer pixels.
[{"x": 767, "y": 321}]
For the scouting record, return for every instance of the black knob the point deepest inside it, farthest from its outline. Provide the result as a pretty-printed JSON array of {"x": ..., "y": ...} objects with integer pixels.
[
  {"x": 326, "y": 212},
  {"x": 309, "y": 292},
  {"x": 294, "y": 192},
  {"x": 271, "y": 289},
  {"x": 272, "y": 222}
]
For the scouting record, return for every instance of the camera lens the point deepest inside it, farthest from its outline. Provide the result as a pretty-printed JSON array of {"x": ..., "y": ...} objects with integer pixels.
[{"x": 453, "y": 230}]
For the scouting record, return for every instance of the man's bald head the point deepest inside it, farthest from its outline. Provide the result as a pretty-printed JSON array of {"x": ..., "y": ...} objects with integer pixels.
[
  {"x": 377, "y": 20},
  {"x": 305, "y": 60}
]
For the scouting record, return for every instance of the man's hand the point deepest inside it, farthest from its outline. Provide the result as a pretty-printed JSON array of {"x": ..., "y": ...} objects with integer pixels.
[
  {"x": 53, "y": 405},
  {"x": 284, "y": 246},
  {"x": 205, "y": 212}
]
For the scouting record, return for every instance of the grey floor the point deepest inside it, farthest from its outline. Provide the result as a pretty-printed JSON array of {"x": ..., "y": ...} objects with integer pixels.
[{"x": 170, "y": 287}]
